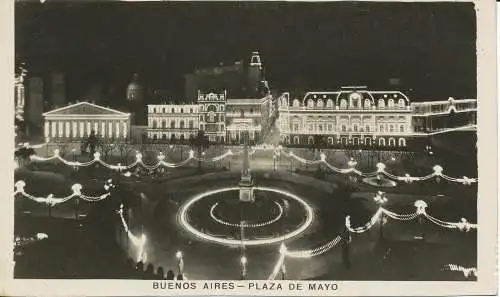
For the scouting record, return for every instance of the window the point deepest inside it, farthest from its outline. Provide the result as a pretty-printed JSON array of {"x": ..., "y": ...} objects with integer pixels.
[
  {"x": 381, "y": 103},
  {"x": 172, "y": 110},
  {"x": 392, "y": 142},
  {"x": 402, "y": 142},
  {"x": 172, "y": 124},
  {"x": 320, "y": 128},
  {"x": 343, "y": 104},
  {"x": 367, "y": 128},
  {"x": 329, "y": 103},
  {"x": 391, "y": 128},
  {"x": 310, "y": 140},
  {"x": 295, "y": 127},
  {"x": 310, "y": 103},
  {"x": 154, "y": 124},
  {"x": 344, "y": 128},
  {"x": 401, "y": 103},
  {"x": 191, "y": 125},
  {"x": 182, "y": 110},
  {"x": 355, "y": 128},
  {"x": 381, "y": 128},
  {"x": 154, "y": 110},
  {"x": 163, "y": 109},
  {"x": 251, "y": 110},
  {"x": 330, "y": 127},
  {"x": 402, "y": 128},
  {"x": 296, "y": 103},
  {"x": 381, "y": 141},
  {"x": 319, "y": 104},
  {"x": 296, "y": 140},
  {"x": 310, "y": 127},
  {"x": 164, "y": 124},
  {"x": 181, "y": 124},
  {"x": 390, "y": 104},
  {"x": 367, "y": 104}
]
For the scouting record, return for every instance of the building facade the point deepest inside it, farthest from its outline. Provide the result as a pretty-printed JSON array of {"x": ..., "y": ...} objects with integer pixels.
[
  {"x": 242, "y": 106},
  {"x": 172, "y": 122},
  {"x": 357, "y": 117},
  {"x": 75, "y": 122}
]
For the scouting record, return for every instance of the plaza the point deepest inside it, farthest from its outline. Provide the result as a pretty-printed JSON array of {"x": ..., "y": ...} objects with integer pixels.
[{"x": 198, "y": 213}]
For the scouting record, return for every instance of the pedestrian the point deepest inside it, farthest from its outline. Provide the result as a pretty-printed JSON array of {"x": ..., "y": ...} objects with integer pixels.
[{"x": 170, "y": 275}]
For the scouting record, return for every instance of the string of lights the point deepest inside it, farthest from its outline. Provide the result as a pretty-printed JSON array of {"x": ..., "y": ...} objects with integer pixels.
[
  {"x": 381, "y": 167},
  {"x": 471, "y": 271},
  {"x": 438, "y": 170},
  {"x": 246, "y": 225},
  {"x": 51, "y": 200},
  {"x": 421, "y": 206},
  {"x": 138, "y": 242}
]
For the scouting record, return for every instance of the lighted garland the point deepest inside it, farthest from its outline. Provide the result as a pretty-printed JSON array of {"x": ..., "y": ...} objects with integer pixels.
[
  {"x": 471, "y": 271},
  {"x": 138, "y": 161},
  {"x": 438, "y": 170},
  {"x": 421, "y": 206},
  {"x": 139, "y": 242},
  {"x": 245, "y": 225},
  {"x": 51, "y": 200}
]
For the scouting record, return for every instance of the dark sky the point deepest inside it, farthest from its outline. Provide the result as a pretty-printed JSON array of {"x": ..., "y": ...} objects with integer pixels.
[{"x": 430, "y": 46}]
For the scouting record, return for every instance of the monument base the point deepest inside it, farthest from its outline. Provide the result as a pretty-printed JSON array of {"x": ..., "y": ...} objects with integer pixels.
[{"x": 246, "y": 190}]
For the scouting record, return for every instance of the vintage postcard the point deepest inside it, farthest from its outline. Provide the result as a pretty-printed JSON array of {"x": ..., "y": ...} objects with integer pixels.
[{"x": 249, "y": 148}]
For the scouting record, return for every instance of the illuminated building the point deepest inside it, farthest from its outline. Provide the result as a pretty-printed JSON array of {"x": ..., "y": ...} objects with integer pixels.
[
  {"x": 359, "y": 117},
  {"x": 243, "y": 107},
  {"x": 75, "y": 122}
]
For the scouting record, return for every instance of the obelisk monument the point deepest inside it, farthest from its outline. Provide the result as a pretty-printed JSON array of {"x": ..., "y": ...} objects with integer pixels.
[{"x": 246, "y": 182}]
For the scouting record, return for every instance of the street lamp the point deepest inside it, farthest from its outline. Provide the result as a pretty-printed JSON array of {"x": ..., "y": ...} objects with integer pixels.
[
  {"x": 180, "y": 262},
  {"x": 243, "y": 261}
]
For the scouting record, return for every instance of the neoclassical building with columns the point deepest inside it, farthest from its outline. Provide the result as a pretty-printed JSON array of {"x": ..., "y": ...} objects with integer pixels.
[
  {"x": 359, "y": 117},
  {"x": 75, "y": 122}
]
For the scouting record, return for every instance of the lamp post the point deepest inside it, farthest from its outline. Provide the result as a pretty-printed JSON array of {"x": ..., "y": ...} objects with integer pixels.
[
  {"x": 180, "y": 262},
  {"x": 380, "y": 199},
  {"x": 274, "y": 162},
  {"x": 243, "y": 261}
]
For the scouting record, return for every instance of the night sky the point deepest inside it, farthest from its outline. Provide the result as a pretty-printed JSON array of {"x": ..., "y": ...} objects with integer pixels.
[{"x": 431, "y": 47}]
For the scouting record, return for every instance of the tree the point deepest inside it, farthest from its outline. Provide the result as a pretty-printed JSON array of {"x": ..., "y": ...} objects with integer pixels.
[
  {"x": 199, "y": 143},
  {"x": 106, "y": 146},
  {"x": 125, "y": 148}
]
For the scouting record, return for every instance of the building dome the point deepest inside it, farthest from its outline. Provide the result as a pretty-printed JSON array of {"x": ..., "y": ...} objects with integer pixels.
[{"x": 134, "y": 90}]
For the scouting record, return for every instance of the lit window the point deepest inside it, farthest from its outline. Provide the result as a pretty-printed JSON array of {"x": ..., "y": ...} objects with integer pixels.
[
  {"x": 343, "y": 104},
  {"x": 310, "y": 103},
  {"x": 402, "y": 128},
  {"x": 381, "y": 103}
]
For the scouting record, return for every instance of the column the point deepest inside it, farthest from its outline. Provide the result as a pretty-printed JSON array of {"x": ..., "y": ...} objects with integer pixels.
[
  {"x": 46, "y": 130},
  {"x": 60, "y": 128},
  {"x": 103, "y": 129},
  {"x": 110, "y": 129},
  {"x": 96, "y": 128},
  {"x": 117, "y": 129},
  {"x": 82, "y": 132},
  {"x": 124, "y": 129},
  {"x": 89, "y": 128},
  {"x": 74, "y": 129},
  {"x": 53, "y": 127},
  {"x": 67, "y": 129}
]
